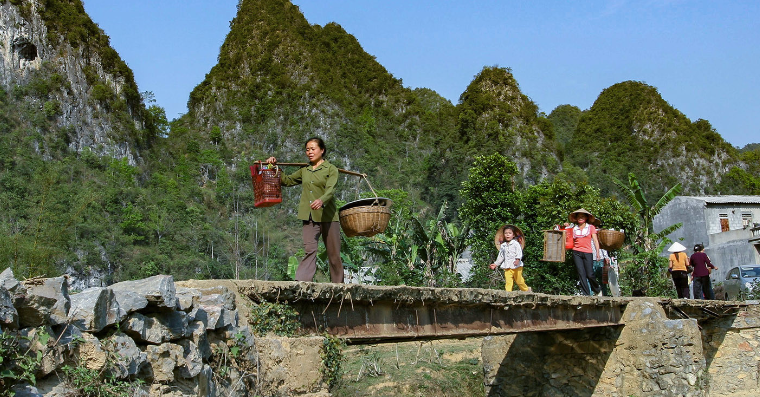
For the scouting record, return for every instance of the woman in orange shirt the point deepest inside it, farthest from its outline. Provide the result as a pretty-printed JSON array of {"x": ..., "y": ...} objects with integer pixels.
[{"x": 677, "y": 267}]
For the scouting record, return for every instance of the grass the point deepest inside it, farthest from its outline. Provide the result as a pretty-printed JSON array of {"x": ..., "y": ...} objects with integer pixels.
[{"x": 439, "y": 368}]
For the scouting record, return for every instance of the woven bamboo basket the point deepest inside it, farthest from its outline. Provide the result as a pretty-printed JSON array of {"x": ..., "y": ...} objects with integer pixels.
[
  {"x": 610, "y": 240},
  {"x": 554, "y": 246},
  {"x": 365, "y": 217}
]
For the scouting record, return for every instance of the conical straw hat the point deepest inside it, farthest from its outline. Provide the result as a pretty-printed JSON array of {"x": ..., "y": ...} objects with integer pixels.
[
  {"x": 498, "y": 238},
  {"x": 677, "y": 247},
  {"x": 574, "y": 216}
]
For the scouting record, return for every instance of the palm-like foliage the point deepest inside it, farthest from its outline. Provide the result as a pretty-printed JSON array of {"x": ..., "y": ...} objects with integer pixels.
[
  {"x": 644, "y": 238},
  {"x": 422, "y": 253},
  {"x": 644, "y": 268},
  {"x": 439, "y": 244}
]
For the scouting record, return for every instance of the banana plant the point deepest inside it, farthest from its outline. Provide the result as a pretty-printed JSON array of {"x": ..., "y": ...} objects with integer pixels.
[
  {"x": 644, "y": 237},
  {"x": 644, "y": 269},
  {"x": 424, "y": 248}
]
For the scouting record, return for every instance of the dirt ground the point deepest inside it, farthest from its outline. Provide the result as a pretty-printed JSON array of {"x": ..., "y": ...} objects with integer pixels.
[{"x": 420, "y": 368}]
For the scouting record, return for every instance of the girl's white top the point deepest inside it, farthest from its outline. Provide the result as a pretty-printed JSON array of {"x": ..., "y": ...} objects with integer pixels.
[{"x": 508, "y": 252}]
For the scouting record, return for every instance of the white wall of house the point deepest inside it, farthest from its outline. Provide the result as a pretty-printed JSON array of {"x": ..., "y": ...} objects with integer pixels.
[
  {"x": 735, "y": 215},
  {"x": 702, "y": 216}
]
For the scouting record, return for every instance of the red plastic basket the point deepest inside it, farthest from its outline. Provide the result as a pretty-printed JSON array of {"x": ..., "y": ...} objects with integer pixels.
[{"x": 266, "y": 186}]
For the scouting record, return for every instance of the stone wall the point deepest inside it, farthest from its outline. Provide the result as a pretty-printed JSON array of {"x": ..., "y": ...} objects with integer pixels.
[
  {"x": 648, "y": 355},
  {"x": 178, "y": 340},
  {"x": 732, "y": 353},
  {"x": 191, "y": 338}
]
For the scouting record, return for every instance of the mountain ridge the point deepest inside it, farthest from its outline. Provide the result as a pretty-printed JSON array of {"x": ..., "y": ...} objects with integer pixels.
[{"x": 90, "y": 184}]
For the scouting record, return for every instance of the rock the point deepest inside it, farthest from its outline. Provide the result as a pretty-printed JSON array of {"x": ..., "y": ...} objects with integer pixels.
[
  {"x": 691, "y": 379},
  {"x": 287, "y": 365},
  {"x": 9, "y": 282},
  {"x": 162, "y": 360},
  {"x": 128, "y": 302},
  {"x": 93, "y": 309},
  {"x": 25, "y": 390},
  {"x": 39, "y": 341},
  {"x": 156, "y": 328},
  {"x": 206, "y": 385},
  {"x": 8, "y": 313},
  {"x": 128, "y": 357},
  {"x": 89, "y": 277},
  {"x": 46, "y": 301},
  {"x": 216, "y": 311},
  {"x": 218, "y": 296},
  {"x": 196, "y": 331},
  {"x": 68, "y": 334},
  {"x": 193, "y": 362},
  {"x": 53, "y": 386},
  {"x": 90, "y": 353},
  {"x": 199, "y": 313},
  {"x": 187, "y": 298},
  {"x": 242, "y": 337},
  {"x": 158, "y": 290}
]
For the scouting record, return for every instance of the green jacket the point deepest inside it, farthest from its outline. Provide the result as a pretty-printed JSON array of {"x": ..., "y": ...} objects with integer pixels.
[{"x": 317, "y": 184}]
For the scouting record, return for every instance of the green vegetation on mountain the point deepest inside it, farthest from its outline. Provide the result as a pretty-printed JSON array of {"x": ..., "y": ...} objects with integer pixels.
[
  {"x": 492, "y": 117},
  {"x": 564, "y": 119},
  {"x": 630, "y": 128},
  {"x": 184, "y": 207},
  {"x": 280, "y": 80},
  {"x": 744, "y": 180},
  {"x": 85, "y": 214}
]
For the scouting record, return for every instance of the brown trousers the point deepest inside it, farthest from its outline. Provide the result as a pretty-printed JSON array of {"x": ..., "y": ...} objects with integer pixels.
[{"x": 330, "y": 232}]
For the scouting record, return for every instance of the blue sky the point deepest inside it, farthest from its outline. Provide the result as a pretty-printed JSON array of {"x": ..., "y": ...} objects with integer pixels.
[{"x": 703, "y": 56}]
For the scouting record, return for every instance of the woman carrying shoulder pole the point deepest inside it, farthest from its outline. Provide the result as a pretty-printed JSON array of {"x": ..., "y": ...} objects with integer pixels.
[{"x": 317, "y": 210}]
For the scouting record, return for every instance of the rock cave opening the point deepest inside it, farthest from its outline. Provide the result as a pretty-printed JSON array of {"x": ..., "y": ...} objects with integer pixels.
[{"x": 25, "y": 49}]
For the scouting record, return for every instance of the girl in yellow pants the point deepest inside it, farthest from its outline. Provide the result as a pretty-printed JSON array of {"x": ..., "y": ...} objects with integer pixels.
[{"x": 510, "y": 257}]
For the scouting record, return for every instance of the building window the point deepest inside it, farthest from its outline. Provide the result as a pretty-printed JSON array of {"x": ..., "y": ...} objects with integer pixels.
[
  {"x": 723, "y": 222},
  {"x": 746, "y": 219}
]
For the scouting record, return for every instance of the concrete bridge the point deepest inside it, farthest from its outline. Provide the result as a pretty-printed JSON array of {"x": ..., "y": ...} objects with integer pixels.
[
  {"x": 547, "y": 345},
  {"x": 362, "y": 314}
]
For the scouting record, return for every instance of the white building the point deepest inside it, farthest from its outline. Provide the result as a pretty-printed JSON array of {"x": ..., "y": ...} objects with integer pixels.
[{"x": 728, "y": 226}]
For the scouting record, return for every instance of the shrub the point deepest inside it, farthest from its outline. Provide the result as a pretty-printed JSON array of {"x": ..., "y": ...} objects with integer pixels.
[{"x": 276, "y": 318}]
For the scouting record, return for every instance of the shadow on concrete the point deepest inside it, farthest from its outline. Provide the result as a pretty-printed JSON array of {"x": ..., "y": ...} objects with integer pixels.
[
  {"x": 714, "y": 332},
  {"x": 554, "y": 363}
]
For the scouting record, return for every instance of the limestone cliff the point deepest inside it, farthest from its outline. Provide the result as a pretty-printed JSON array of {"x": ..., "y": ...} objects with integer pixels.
[
  {"x": 494, "y": 113},
  {"x": 631, "y": 128},
  {"x": 54, "y": 58},
  {"x": 280, "y": 80}
]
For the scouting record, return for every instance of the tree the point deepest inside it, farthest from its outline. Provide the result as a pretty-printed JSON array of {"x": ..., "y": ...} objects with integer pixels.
[
  {"x": 548, "y": 204},
  {"x": 643, "y": 269},
  {"x": 644, "y": 237},
  {"x": 489, "y": 200}
]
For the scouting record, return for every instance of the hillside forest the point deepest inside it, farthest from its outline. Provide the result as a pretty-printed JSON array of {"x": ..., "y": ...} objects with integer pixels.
[{"x": 95, "y": 182}]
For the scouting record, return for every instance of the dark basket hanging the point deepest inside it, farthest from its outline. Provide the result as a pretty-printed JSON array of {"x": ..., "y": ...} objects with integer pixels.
[
  {"x": 267, "y": 190},
  {"x": 365, "y": 217}
]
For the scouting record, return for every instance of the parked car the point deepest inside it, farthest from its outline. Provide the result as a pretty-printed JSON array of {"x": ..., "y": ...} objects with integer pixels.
[{"x": 739, "y": 281}]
